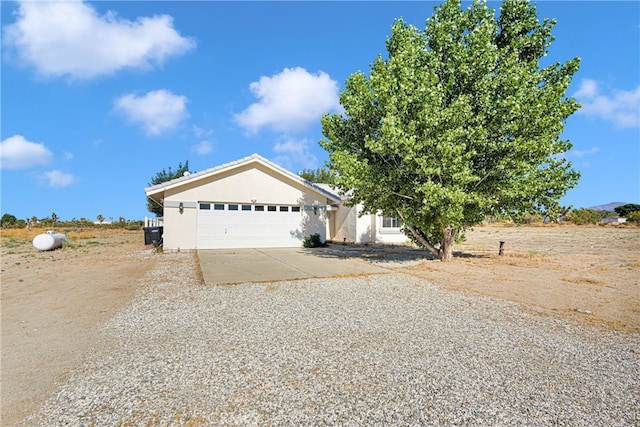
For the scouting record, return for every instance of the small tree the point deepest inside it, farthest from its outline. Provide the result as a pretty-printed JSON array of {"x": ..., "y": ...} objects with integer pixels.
[
  {"x": 321, "y": 175},
  {"x": 100, "y": 218},
  {"x": 7, "y": 220},
  {"x": 54, "y": 219},
  {"x": 457, "y": 124},
  {"x": 164, "y": 176},
  {"x": 585, "y": 216},
  {"x": 627, "y": 209}
]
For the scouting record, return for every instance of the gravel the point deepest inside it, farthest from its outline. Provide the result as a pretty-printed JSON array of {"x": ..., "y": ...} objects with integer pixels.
[{"x": 386, "y": 349}]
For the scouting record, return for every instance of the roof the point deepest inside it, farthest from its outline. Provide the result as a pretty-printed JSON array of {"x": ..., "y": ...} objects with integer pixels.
[
  {"x": 254, "y": 158},
  {"x": 328, "y": 187}
]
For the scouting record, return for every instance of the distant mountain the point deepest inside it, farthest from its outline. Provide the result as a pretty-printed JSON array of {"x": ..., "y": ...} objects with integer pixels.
[{"x": 608, "y": 207}]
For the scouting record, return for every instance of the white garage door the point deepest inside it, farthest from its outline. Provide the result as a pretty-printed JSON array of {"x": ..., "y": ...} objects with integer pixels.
[{"x": 237, "y": 225}]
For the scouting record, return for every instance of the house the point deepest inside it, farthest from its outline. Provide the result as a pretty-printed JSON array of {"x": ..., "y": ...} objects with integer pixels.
[
  {"x": 347, "y": 224},
  {"x": 613, "y": 220},
  {"x": 254, "y": 203}
]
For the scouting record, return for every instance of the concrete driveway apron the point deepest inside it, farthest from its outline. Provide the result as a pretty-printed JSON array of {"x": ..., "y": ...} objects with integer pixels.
[{"x": 224, "y": 266}]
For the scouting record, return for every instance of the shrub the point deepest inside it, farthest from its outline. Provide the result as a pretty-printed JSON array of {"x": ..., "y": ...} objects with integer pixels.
[
  {"x": 313, "y": 241},
  {"x": 584, "y": 216},
  {"x": 634, "y": 217}
]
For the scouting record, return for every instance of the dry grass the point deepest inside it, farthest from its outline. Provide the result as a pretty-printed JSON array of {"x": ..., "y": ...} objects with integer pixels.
[{"x": 9, "y": 237}]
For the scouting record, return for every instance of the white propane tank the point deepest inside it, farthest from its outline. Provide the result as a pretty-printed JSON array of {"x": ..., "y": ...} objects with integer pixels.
[{"x": 49, "y": 241}]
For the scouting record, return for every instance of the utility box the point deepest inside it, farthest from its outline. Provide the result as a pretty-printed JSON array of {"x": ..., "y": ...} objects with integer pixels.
[{"x": 152, "y": 235}]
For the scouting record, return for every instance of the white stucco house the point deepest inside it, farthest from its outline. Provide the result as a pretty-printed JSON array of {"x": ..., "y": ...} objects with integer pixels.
[{"x": 254, "y": 203}]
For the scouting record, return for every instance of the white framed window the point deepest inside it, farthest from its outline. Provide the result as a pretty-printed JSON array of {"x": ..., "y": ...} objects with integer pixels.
[{"x": 390, "y": 222}]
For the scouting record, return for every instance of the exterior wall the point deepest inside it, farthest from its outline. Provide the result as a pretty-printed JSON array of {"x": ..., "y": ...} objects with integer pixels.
[
  {"x": 251, "y": 183},
  {"x": 179, "y": 230},
  {"x": 365, "y": 227},
  {"x": 344, "y": 222},
  {"x": 346, "y": 226},
  {"x": 388, "y": 235}
]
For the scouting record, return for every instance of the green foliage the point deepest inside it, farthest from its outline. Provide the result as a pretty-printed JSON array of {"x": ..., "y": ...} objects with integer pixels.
[
  {"x": 164, "y": 176},
  {"x": 627, "y": 209},
  {"x": 321, "y": 175},
  {"x": 8, "y": 220},
  {"x": 313, "y": 241},
  {"x": 460, "y": 122},
  {"x": 585, "y": 216},
  {"x": 634, "y": 217}
]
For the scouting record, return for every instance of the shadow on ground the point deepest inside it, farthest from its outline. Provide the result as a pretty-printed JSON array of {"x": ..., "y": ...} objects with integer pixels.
[{"x": 379, "y": 254}]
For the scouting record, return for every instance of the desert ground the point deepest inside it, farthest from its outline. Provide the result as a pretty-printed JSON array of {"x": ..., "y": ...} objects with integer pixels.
[{"x": 54, "y": 302}]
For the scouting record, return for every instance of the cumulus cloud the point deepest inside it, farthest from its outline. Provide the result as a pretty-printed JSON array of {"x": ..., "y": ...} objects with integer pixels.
[
  {"x": 18, "y": 153},
  {"x": 294, "y": 152},
  {"x": 620, "y": 107},
  {"x": 57, "y": 178},
  {"x": 157, "y": 111},
  {"x": 289, "y": 101},
  {"x": 203, "y": 147},
  {"x": 61, "y": 38}
]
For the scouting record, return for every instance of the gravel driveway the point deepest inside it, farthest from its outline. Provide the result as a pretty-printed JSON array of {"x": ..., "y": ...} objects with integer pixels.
[{"x": 386, "y": 349}]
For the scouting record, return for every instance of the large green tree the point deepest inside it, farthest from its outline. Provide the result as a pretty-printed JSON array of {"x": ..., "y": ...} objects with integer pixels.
[
  {"x": 458, "y": 122},
  {"x": 163, "y": 176}
]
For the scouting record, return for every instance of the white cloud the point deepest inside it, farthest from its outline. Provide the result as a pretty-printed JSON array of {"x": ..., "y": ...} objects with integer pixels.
[
  {"x": 622, "y": 108},
  {"x": 289, "y": 101},
  {"x": 58, "y": 178},
  {"x": 61, "y": 38},
  {"x": 201, "y": 132},
  {"x": 18, "y": 153},
  {"x": 203, "y": 147},
  {"x": 582, "y": 153},
  {"x": 292, "y": 152},
  {"x": 157, "y": 111}
]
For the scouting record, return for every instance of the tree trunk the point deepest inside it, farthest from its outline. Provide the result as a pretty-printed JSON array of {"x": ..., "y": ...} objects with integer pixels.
[
  {"x": 446, "y": 247},
  {"x": 419, "y": 237},
  {"x": 428, "y": 246}
]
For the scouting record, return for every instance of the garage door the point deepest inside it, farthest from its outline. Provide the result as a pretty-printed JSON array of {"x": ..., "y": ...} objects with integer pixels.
[{"x": 237, "y": 225}]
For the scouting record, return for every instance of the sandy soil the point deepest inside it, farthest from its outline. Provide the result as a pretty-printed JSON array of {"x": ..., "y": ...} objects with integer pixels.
[
  {"x": 590, "y": 274},
  {"x": 53, "y": 302}
]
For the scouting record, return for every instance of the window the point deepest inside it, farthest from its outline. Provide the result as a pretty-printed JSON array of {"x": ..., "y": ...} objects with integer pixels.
[
  {"x": 218, "y": 207},
  {"x": 284, "y": 208},
  {"x": 271, "y": 208},
  {"x": 390, "y": 222},
  {"x": 259, "y": 208},
  {"x": 205, "y": 206},
  {"x": 233, "y": 207},
  {"x": 295, "y": 208},
  {"x": 246, "y": 207}
]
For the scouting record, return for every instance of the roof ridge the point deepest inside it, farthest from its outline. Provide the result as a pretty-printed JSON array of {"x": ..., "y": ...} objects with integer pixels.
[{"x": 254, "y": 156}]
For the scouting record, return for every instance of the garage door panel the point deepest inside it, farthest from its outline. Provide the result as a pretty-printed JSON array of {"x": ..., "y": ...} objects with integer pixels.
[{"x": 219, "y": 229}]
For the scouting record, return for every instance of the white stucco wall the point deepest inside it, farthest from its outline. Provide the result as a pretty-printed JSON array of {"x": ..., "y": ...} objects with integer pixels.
[
  {"x": 351, "y": 228},
  {"x": 248, "y": 184},
  {"x": 388, "y": 235},
  {"x": 365, "y": 227},
  {"x": 344, "y": 221}
]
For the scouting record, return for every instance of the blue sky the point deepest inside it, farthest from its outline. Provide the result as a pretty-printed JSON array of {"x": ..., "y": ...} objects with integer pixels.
[{"x": 99, "y": 96}]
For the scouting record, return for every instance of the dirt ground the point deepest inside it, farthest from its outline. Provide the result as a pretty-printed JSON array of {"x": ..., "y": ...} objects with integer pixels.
[
  {"x": 589, "y": 274},
  {"x": 53, "y": 302}
]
